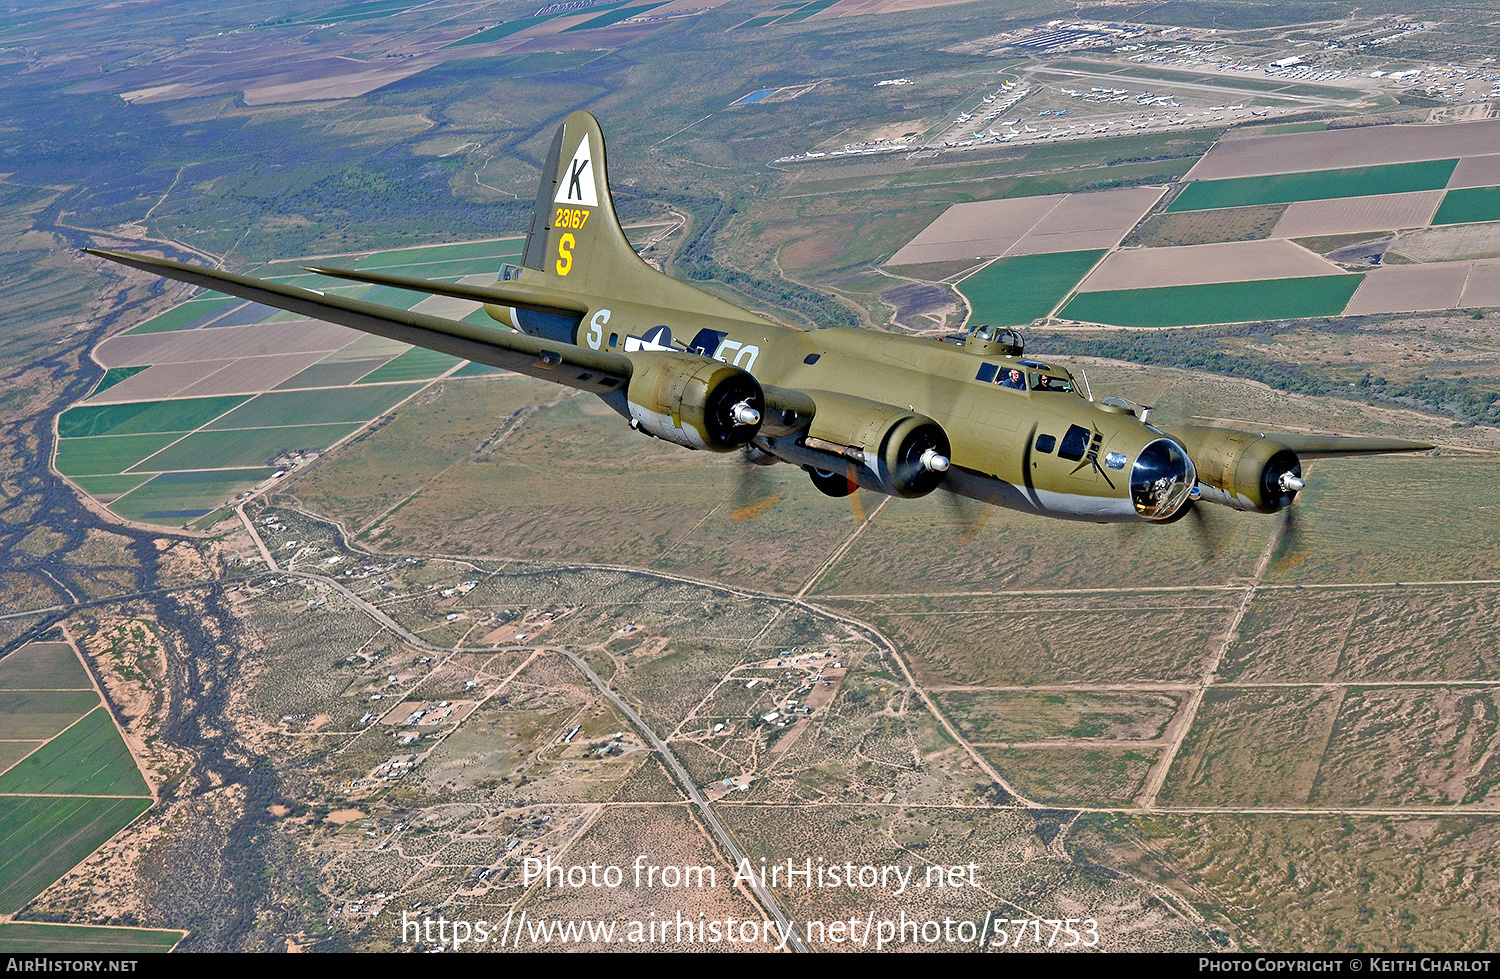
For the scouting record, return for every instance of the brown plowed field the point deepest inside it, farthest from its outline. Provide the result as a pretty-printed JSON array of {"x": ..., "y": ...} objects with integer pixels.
[
  {"x": 1347, "y": 215},
  {"x": 251, "y": 375},
  {"x": 1335, "y": 149},
  {"x": 161, "y": 381},
  {"x": 1186, "y": 265},
  {"x": 1409, "y": 288},
  {"x": 1476, "y": 171},
  {"x": 1030, "y": 226},
  {"x": 982, "y": 228},
  {"x": 1483, "y": 287},
  {"x": 225, "y": 343}
]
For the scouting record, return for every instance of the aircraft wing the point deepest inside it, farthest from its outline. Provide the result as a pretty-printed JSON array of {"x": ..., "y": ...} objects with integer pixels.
[
  {"x": 1333, "y": 446},
  {"x": 597, "y": 371}
]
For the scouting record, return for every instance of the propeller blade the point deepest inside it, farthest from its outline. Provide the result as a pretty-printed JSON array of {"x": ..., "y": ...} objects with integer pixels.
[
  {"x": 755, "y": 491},
  {"x": 855, "y": 507}
]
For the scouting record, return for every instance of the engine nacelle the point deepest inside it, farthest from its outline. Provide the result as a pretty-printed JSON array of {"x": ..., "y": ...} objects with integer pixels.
[
  {"x": 881, "y": 447},
  {"x": 1242, "y": 470},
  {"x": 693, "y": 401}
]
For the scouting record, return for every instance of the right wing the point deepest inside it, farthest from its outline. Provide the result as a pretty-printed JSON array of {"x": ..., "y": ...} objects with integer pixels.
[{"x": 598, "y": 371}]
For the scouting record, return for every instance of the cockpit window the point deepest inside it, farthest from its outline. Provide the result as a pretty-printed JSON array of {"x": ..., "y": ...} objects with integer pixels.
[
  {"x": 1046, "y": 382},
  {"x": 1013, "y": 378},
  {"x": 1046, "y": 443}
]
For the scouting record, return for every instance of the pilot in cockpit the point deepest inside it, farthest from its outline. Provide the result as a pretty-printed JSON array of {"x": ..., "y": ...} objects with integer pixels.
[{"x": 1015, "y": 379}]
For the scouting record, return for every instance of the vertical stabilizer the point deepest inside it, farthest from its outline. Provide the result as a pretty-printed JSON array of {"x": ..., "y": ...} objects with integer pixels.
[{"x": 575, "y": 234}]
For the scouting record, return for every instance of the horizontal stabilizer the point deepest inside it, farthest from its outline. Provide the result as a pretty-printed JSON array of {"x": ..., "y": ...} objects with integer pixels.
[
  {"x": 515, "y": 294},
  {"x": 598, "y": 371}
]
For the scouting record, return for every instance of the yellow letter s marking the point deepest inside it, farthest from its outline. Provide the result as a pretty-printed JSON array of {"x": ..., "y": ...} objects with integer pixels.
[{"x": 565, "y": 254}]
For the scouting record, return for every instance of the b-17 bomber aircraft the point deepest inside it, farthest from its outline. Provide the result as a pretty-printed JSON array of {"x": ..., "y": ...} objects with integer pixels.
[{"x": 898, "y": 415}]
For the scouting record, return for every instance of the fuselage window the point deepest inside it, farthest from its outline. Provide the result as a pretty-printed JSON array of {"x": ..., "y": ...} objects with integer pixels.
[
  {"x": 987, "y": 373},
  {"x": 1075, "y": 443},
  {"x": 614, "y": 339},
  {"x": 811, "y": 358},
  {"x": 1046, "y": 443}
]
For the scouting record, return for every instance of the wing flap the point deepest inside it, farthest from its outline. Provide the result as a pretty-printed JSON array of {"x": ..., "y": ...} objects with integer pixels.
[{"x": 597, "y": 371}]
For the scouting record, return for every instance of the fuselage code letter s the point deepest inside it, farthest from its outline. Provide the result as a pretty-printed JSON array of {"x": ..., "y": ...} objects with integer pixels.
[{"x": 597, "y": 323}]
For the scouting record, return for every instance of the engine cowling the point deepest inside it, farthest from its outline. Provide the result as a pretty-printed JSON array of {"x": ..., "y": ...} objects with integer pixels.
[
  {"x": 1241, "y": 469},
  {"x": 884, "y": 448},
  {"x": 694, "y": 402}
]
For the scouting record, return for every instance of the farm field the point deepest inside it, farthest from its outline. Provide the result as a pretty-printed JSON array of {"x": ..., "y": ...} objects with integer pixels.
[
  {"x": 322, "y": 407},
  {"x": 1348, "y": 215},
  {"x": 70, "y": 785},
  {"x": 1392, "y": 178},
  {"x": 1469, "y": 205},
  {"x": 43, "y": 838},
  {"x": 174, "y": 497},
  {"x": 1230, "y": 261},
  {"x": 19, "y": 937},
  {"x": 241, "y": 447},
  {"x": 86, "y": 759},
  {"x": 41, "y": 714},
  {"x": 108, "y": 454},
  {"x": 1339, "y": 149},
  {"x": 1015, "y": 291},
  {"x": 1221, "y": 302},
  {"x": 143, "y": 416}
]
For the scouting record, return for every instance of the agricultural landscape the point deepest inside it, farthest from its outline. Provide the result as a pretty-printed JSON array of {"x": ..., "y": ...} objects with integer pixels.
[{"x": 304, "y": 633}]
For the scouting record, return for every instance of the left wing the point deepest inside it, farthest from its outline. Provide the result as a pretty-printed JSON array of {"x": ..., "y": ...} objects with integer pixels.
[{"x": 598, "y": 371}]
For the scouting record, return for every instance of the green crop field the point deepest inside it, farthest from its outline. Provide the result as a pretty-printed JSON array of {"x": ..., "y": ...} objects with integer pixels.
[
  {"x": 1315, "y": 185},
  {"x": 47, "y": 939},
  {"x": 35, "y": 715},
  {"x": 418, "y": 362},
  {"x": 173, "y": 497},
  {"x": 355, "y": 404},
  {"x": 108, "y": 454},
  {"x": 614, "y": 17},
  {"x": 88, "y": 758},
  {"x": 242, "y": 446},
  {"x": 114, "y": 376},
  {"x": 1218, "y": 302},
  {"x": 807, "y": 11},
  {"x": 109, "y": 485},
  {"x": 43, "y": 666},
  {"x": 1015, "y": 291},
  {"x": 144, "y": 416},
  {"x": 1469, "y": 205},
  {"x": 474, "y": 369},
  {"x": 42, "y": 839},
  {"x": 180, "y": 316},
  {"x": 13, "y": 751}
]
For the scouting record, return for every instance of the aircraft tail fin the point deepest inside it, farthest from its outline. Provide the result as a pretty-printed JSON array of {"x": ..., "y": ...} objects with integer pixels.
[{"x": 575, "y": 234}]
